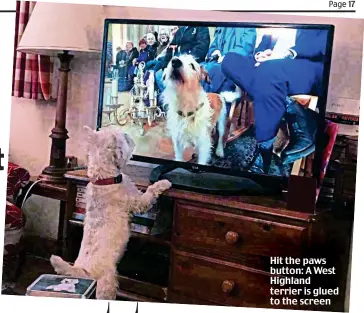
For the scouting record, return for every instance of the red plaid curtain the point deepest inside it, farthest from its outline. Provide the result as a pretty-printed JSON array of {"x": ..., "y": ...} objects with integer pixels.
[{"x": 31, "y": 73}]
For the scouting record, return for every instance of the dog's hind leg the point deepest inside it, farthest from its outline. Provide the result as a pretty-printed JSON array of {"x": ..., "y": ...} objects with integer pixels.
[
  {"x": 63, "y": 268},
  {"x": 106, "y": 286},
  {"x": 221, "y": 124}
]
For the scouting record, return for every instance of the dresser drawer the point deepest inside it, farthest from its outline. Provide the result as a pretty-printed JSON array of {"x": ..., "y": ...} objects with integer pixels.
[
  {"x": 178, "y": 298},
  {"x": 220, "y": 282},
  {"x": 234, "y": 235}
]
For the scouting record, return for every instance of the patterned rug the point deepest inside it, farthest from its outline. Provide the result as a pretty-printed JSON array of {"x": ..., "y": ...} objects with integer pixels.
[{"x": 239, "y": 155}]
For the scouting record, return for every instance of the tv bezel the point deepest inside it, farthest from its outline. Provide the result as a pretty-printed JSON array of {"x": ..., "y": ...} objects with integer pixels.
[{"x": 259, "y": 178}]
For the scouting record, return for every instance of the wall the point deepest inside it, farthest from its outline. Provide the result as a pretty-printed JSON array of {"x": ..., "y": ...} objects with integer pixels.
[
  {"x": 30, "y": 127},
  {"x": 32, "y": 121}
]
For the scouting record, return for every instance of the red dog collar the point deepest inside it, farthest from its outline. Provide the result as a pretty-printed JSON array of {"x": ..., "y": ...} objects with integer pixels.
[{"x": 108, "y": 181}]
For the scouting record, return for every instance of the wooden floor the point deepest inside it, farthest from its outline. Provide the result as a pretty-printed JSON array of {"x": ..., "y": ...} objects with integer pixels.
[{"x": 31, "y": 270}]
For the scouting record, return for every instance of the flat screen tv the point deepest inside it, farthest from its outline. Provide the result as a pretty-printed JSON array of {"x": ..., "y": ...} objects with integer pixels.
[{"x": 231, "y": 105}]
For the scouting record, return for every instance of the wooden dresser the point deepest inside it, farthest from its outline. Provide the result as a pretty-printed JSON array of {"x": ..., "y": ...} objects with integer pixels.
[{"x": 220, "y": 246}]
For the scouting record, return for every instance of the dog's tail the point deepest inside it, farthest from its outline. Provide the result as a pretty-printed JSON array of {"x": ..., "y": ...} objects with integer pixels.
[
  {"x": 63, "y": 268},
  {"x": 231, "y": 96}
]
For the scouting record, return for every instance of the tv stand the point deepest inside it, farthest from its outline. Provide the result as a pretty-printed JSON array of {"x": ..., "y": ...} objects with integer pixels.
[
  {"x": 224, "y": 242},
  {"x": 207, "y": 182}
]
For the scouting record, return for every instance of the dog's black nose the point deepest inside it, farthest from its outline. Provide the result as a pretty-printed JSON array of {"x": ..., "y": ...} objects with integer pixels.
[{"x": 176, "y": 63}]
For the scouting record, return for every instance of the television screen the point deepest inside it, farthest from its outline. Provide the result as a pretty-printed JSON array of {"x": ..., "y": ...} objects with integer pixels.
[{"x": 233, "y": 97}]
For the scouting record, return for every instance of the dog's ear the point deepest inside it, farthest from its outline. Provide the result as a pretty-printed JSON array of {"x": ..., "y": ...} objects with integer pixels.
[
  {"x": 88, "y": 133},
  {"x": 119, "y": 149},
  {"x": 129, "y": 147},
  {"x": 204, "y": 76},
  {"x": 130, "y": 141},
  {"x": 164, "y": 77},
  {"x": 124, "y": 148}
]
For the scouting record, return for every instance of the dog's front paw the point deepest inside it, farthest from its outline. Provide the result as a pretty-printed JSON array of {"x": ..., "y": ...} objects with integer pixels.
[{"x": 163, "y": 185}]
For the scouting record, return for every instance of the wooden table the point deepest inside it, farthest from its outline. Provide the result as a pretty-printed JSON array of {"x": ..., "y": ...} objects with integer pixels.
[{"x": 56, "y": 192}]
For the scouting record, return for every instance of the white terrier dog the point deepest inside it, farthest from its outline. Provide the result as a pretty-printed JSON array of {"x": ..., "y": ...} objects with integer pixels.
[
  {"x": 192, "y": 113},
  {"x": 111, "y": 197},
  {"x": 65, "y": 285}
]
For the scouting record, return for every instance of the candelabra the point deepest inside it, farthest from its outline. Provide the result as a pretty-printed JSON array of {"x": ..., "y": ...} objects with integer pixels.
[{"x": 139, "y": 112}]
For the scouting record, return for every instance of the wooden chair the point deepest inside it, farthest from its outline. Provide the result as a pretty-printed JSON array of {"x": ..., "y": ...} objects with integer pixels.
[{"x": 245, "y": 119}]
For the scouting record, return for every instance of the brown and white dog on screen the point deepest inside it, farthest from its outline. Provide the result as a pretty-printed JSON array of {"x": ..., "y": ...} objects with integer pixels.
[{"x": 192, "y": 113}]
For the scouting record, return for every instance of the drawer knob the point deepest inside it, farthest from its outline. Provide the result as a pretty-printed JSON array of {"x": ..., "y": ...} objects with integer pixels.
[
  {"x": 227, "y": 286},
  {"x": 231, "y": 237}
]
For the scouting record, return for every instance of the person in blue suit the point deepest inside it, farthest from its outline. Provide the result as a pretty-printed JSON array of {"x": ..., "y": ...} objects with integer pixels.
[
  {"x": 244, "y": 45},
  {"x": 226, "y": 39},
  {"x": 270, "y": 77}
]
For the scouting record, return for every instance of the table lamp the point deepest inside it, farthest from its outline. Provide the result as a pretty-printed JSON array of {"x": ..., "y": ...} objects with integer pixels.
[{"x": 66, "y": 31}]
